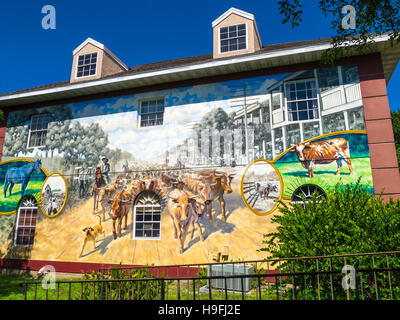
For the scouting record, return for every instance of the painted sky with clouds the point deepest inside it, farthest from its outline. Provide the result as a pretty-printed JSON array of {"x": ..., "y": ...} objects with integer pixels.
[{"x": 118, "y": 117}]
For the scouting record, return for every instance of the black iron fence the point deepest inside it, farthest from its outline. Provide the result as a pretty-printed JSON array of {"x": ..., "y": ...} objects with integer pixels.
[{"x": 368, "y": 276}]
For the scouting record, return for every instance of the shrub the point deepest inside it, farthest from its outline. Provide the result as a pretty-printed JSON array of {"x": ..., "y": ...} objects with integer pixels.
[
  {"x": 121, "y": 290},
  {"x": 349, "y": 220}
]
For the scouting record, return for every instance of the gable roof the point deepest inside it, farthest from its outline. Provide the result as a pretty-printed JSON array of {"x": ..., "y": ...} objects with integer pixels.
[
  {"x": 240, "y": 13},
  {"x": 102, "y": 47},
  {"x": 227, "y": 13},
  {"x": 195, "y": 67}
]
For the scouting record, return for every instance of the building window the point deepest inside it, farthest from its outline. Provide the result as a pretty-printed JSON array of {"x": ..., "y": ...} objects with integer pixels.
[
  {"x": 147, "y": 211},
  {"x": 356, "y": 119},
  {"x": 152, "y": 112},
  {"x": 293, "y": 134},
  {"x": 86, "y": 65},
  {"x": 278, "y": 141},
  {"x": 333, "y": 122},
  {"x": 38, "y": 130},
  {"x": 302, "y": 101},
  {"x": 25, "y": 226},
  {"x": 276, "y": 99},
  {"x": 233, "y": 38},
  {"x": 311, "y": 130},
  {"x": 328, "y": 78},
  {"x": 350, "y": 74}
]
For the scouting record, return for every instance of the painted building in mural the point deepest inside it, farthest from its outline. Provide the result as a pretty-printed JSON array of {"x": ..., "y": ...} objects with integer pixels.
[{"x": 171, "y": 163}]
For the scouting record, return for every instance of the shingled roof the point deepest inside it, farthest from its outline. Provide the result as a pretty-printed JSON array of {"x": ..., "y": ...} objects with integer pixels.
[{"x": 175, "y": 63}]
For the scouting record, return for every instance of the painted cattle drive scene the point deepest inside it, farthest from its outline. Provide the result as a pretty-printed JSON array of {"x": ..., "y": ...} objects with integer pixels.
[{"x": 194, "y": 214}]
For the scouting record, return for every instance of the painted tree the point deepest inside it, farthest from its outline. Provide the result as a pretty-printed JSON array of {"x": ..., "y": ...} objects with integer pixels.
[
  {"x": 15, "y": 141},
  {"x": 59, "y": 124}
]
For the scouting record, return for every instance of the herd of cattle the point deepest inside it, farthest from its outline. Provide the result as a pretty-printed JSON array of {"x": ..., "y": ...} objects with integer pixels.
[{"x": 187, "y": 197}]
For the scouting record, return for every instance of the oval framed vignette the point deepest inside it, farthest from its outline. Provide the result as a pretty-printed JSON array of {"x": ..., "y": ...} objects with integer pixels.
[
  {"x": 271, "y": 165},
  {"x": 65, "y": 195},
  {"x": 21, "y": 160}
]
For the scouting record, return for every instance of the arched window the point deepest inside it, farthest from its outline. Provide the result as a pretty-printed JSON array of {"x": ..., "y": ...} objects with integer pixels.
[
  {"x": 306, "y": 191},
  {"x": 147, "y": 216},
  {"x": 25, "y": 222}
]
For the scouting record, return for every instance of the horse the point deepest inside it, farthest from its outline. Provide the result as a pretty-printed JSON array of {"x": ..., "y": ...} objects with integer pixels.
[{"x": 20, "y": 175}]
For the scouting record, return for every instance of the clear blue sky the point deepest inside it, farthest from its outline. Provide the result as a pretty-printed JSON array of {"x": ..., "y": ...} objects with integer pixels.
[{"x": 136, "y": 31}]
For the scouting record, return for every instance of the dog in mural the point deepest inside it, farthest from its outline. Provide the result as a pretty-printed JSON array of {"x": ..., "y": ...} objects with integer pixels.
[
  {"x": 21, "y": 175},
  {"x": 323, "y": 152},
  {"x": 92, "y": 234}
]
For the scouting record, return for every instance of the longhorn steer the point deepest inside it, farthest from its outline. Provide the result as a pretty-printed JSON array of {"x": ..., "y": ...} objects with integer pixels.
[
  {"x": 105, "y": 195},
  {"x": 119, "y": 210},
  {"x": 184, "y": 211},
  {"x": 218, "y": 183},
  {"x": 323, "y": 152}
]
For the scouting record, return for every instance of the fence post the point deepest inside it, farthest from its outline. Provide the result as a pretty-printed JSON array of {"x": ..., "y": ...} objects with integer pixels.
[
  {"x": 24, "y": 290},
  {"x": 390, "y": 281},
  {"x": 162, "y": 289},
  {"x": 347, "y": 288},
  {"x": 102, "y": 285}
]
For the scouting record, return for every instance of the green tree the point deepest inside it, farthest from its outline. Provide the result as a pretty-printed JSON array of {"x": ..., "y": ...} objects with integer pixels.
[{"x": 373, "y": 18}]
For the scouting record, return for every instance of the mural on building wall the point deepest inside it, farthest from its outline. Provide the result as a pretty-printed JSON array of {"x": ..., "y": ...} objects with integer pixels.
[{"x": 173, "y": 176}]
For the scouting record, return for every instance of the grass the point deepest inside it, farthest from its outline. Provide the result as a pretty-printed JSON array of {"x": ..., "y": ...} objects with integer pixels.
[
  {"x": 294, "y": 175},
  {"x": 187, "y": 293},
  {"x": 10, "y": 203},
  {"x": 10, "y": 290}
]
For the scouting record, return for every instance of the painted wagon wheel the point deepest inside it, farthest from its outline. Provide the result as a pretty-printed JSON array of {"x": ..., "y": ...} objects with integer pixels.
[
  {"x": 28, "y": 201},
  {"x": 306, "y": 191}
]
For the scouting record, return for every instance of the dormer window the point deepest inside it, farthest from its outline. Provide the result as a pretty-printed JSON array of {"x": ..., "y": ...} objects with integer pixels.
[
  {"x": 87, "y": 65},
  {"x": 233, "y": 38}
]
